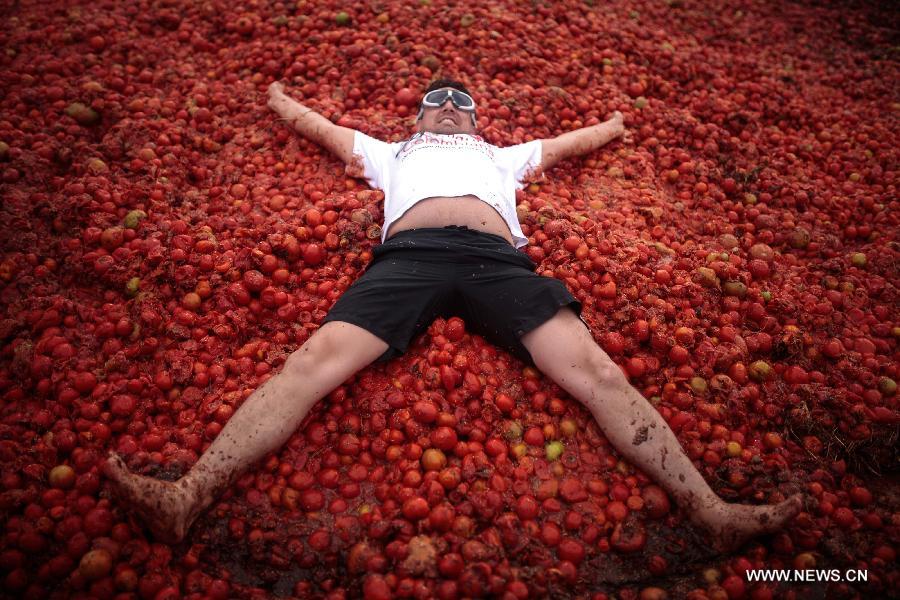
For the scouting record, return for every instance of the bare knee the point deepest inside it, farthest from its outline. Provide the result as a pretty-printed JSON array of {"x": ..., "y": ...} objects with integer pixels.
[
  {"x": 585, "y": 374},
  {"x": 336, "y": 347},
  {"x": 602, "y": 369},
  {"x": 300, "y": 362},
  {"x": 313, "y": 354}
]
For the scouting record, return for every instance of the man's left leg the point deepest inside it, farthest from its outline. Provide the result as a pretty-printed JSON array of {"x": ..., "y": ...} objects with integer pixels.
[{"x": 564, "y": 350}]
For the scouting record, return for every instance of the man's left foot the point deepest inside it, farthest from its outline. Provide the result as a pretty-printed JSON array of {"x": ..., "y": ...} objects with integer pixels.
[{"x": 731, "y": 525}]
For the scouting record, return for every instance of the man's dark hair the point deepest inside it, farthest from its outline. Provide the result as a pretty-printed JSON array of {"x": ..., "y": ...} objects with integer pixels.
[{"x": 445, "y": 83}]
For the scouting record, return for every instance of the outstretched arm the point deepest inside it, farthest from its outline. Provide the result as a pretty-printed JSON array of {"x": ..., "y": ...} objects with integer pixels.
[
  {"x": 311, "y": 125},
  {"x": 581, "y": 141}
]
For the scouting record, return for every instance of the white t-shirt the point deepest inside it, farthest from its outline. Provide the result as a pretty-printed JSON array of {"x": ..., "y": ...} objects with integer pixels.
[{"x": 431, "y": 164}]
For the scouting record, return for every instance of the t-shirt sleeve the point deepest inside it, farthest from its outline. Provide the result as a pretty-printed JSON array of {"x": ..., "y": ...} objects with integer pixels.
[
  {"x": 371, "y": 159},
  {"x": 522, "y": 161}
]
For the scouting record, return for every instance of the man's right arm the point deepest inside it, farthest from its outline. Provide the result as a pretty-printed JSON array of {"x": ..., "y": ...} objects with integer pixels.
[{"x": 311, "y": 125}]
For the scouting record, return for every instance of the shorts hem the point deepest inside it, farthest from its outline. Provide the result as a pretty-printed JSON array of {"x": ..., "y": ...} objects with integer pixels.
[
  {"x": 521, "y": 351},
  {"x": 393, "y": 349}
]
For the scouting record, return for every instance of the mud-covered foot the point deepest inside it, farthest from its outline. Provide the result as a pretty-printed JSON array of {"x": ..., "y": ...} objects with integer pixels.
[
  {"x": 164, "y": 507},
  {"x": 731, "y": 525}
]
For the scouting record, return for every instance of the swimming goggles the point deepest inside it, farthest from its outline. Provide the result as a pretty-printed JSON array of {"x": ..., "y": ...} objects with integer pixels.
[{"x": 460, "y": 100}]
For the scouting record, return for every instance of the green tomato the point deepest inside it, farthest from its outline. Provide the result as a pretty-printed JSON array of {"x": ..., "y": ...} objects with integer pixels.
[{"x": 554, "y": 450}]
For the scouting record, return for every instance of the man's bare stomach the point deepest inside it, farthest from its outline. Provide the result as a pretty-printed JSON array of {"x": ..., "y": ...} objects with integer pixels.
[{"x": 441, "y": 211}]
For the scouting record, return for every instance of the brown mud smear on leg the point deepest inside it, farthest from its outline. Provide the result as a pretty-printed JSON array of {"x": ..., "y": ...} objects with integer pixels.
[{"x": 640, "y": 436}]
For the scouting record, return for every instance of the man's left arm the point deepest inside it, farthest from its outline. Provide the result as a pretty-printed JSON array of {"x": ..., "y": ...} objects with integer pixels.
[{"x": 581, "y": 141}]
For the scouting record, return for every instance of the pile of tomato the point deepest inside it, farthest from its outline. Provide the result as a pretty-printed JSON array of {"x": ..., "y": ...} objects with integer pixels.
[{"x": 166, "y": 242}]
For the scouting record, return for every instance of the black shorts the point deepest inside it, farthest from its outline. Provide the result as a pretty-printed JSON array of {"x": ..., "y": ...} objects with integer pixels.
[{"x": 421, "y": 274}]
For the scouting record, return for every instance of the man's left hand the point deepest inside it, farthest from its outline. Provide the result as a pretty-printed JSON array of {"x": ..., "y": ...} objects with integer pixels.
[{"x": 618, "y": 122}]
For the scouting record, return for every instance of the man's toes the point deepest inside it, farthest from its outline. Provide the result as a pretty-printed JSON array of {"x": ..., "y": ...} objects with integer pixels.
[
  {"x": 114, "y": 467},
  {"x": 788, "y": 508}
]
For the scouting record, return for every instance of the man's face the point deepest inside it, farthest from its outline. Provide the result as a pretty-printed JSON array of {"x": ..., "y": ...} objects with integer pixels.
[{"x": 446, "y": 119}]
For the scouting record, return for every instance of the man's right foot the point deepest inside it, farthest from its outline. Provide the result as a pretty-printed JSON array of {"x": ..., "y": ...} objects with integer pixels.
[{"x": 163, "y": 506}]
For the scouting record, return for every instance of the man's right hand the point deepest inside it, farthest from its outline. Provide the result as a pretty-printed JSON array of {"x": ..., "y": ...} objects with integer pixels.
[
  {"x": 311, "y": 125},
  {"x": 284, "y": 105},
  {"x": 276, "y": 93}
]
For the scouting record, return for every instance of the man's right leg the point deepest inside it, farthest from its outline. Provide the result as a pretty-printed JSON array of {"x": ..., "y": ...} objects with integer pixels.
[{"x": 263, "y": 423}]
